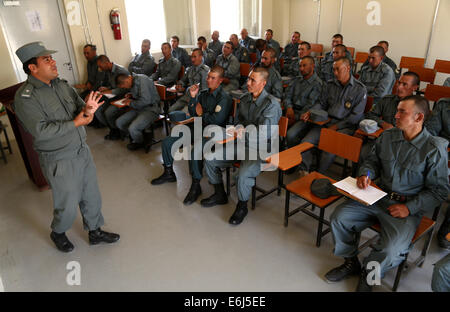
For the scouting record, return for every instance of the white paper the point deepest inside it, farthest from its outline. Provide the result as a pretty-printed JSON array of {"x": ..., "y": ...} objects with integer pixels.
[
  {"x": 109, "y": 95},
  {"x": 370, "y": 195},
  {"x": 120, "y": 102},
  {"x": 34, "y": 20}
]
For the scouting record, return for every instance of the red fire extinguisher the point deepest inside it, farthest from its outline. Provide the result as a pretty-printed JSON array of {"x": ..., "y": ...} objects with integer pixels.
[{"x": 114, "y": 16}]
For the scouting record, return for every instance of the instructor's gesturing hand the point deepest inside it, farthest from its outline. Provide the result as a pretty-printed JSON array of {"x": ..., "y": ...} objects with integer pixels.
[{"x": 92, "y": 103}]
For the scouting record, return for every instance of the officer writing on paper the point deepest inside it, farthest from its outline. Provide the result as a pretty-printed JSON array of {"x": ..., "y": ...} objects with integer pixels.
[
  {"x": 53, "y": 113},
  {"x": 411, "y": 166}
]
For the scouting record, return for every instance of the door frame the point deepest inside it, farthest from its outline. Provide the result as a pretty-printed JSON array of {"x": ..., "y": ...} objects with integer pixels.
[{"x": 68, "y": 39}]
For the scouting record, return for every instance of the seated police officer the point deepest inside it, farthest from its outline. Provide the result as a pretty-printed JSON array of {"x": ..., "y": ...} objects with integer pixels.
[
  {"x": 439, "y": 125},
  {"x": 209, "y": 56},
  {"x": 143, "y": 63},
  {"x": 385, "y": 45},
  {"x": 180, "y": 53},
  {"x": 325, "y": 70},
  {"x": 411, "y": 166},
  {"x": 232, "y": 67},
  {"x": 213, "y": 105},
  {"x": 292, "y": 70},
  {"x": 378, "y": 77},
  {"x": 386, "y": 109},
  {"x": 108, "y": 86},
  {"x": 168, "y": 67},
  {"x": 215, "y": 44},
  {"x": 257, "y": 107},
  {"x": 291, "y": 49},
  {"x": 344, "y": 99},
  {"x": 239, "y": 51},
  {"x": 301, "y": 96},
  {"x": 247, "y": 42},
  {"x": 53, "y": 113},
  {"x": 144, "y": 102},
  {"x": 195, "y": 74},
  {"x": 95, "y": 77},
  {"x": 335, "y": 40}
]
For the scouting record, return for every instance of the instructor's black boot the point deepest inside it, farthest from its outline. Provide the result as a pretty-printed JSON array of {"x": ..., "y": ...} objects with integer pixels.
[
  {"x": 218, "y": 198},
  {"x": 194, "y": 192},
  {"x": 99, "y": 236},
  {"x": 114, "y": 134},
  {"x": 239, "y": 214},
  {"x": 61, "y": 241},
  {"x": 167, "y": 176}
]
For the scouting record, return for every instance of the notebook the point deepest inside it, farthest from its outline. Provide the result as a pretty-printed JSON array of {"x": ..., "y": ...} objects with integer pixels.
[{"x": 369, "y": 196}]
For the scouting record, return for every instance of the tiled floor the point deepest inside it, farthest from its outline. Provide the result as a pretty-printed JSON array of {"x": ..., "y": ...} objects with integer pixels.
[{"x": 166, "y": 246}]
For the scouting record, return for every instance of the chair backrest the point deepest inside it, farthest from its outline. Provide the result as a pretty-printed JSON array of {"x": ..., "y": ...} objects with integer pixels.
[
  {"x": 395, "y": 87},
  {"x": 369, "y": 104},
  {"x": 436, "y": 92},
  {"x": 340, "y": 144},
  {"x": 161, "y": 91},
  {"x": 317, "y": 48},
  {"x": 283, "y": 126},
  {"x": 425, "y": 74},
  {"x": 442, "y": 66},
  {"x": 253, "y": 58},
  {"x": 245, "y": 69},
  {"x": 361, "y": 57},
  {"x": 181, "y": 72},
  {"x": 407, "y": 62},
  {"x": 352, "y": 51}
]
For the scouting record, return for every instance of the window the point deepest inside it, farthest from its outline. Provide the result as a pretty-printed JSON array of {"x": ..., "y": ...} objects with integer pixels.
[
  {"x": 229, "y": 17},
  {"x": 146, "y": 21}
]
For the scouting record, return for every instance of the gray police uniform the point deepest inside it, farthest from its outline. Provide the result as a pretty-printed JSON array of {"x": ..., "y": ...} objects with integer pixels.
[
  {"x": 276, "y": 46},
  {"x": 167, "y": 71},
  {"x": 290, "y": 52},
  {"x": 274, "y": 84},
  {"x": 441, "y": 275},
  {"x": 345, "y": 106},
  {"x": 329, "y": 56},
  {"x": 249, "y": 44},
  {"x": 209, "y": 57},
  {"x": 47, "y": 113},
  {"x": 384, "y": 111},
  {"x": 216, "y": 46},
  {"x": 416, "y": 169},
  {"x": 265, "y": 110},
  {"x": 378, "y": 81},
  {"x": 95, "y": 77},
  {"x": 110, "y": 82},
  {"x": 216, "y": 110},
  {"x": 182, "y": 55},
  {"x": 439, "y": 122},
  {"x": 192, "y": 76},
  {"x": 145, "y": 108},
  {"x": 447, "y": 82},
  {"x": 241, "y": 54},
  {"x": 325, "y": 70},
  {"x": 232, "y": 69},
  {"x": 142, "y": 64},
  {"x": 293, "y": 69},
  {"x": 391, "y": 64},
  {"x": 302, "y": 95}
]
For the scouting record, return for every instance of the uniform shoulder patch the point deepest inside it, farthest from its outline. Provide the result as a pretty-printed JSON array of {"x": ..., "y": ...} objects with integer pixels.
[{"x": 27, "y": 90}]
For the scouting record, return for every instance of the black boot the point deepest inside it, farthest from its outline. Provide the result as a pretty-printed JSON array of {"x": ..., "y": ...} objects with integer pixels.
[
  {"x": 363, "y": 286},
  {"x": 61, "y": 241},
  {"x": 135, "y": 146},
  {"x": 114, "y": 134},
  {"x": 167, "y": 176},
  {"x": 194, "y": 192},
  {"x": 218, "y": 198},
  {"x": 239, "y": 214},
  {"x": 98, "y": 236},
  {"x": 350, "y": 267}
]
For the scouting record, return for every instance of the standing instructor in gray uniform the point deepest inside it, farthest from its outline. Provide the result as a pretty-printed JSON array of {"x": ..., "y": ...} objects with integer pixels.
[{"x": 53, "y": 113}]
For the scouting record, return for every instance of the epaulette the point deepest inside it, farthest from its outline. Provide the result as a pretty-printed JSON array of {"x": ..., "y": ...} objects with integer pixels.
[{"x": 27, "y": 90}]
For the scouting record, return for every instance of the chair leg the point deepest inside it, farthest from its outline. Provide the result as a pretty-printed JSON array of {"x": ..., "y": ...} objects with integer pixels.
[
  {"x": 280, "y": 181},
  {"x": 254, "y": 196},
  {"x": 7, "y": 141},
  {"x": 286, "y": 208},
  {"x": 319, "y": 228},
  {"x": 399, "y": 273},
  {"x": 3, "y": 153},
  {"x": 426, "y": 247},
  {"x": 228, "y": 180}
]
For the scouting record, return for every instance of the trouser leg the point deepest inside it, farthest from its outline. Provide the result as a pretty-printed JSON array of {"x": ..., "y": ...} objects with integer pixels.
[
  {"x": 111, "y": 114},
  {"x": 137, "y": 126},
  {"x": 248, "y": 171},
  {"x": 196, "y": 161},
  {"x": 180, "y": 103},
  {"x": 347, "y": 221},
  {"x": 124, "y": 121},
  {"x": 91, "y": 200},
  {"x": 441, "y": 275},
  {"x": 296, "y": 133}
]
